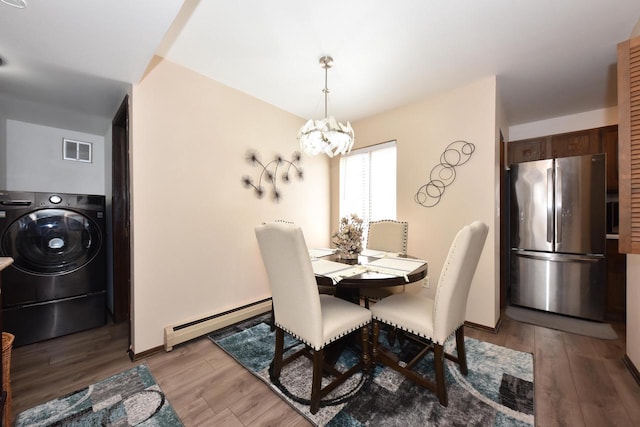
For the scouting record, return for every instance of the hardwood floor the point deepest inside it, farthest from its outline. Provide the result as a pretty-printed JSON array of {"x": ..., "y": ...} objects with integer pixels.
[{"x": 579, "y": 381}]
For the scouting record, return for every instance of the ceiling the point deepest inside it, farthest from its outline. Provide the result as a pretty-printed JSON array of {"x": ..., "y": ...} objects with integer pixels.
[{"x": 69, "y": 63}]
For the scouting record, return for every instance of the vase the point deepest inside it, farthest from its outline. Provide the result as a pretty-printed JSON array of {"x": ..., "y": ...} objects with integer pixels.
[{"x": 349, "y": 255}]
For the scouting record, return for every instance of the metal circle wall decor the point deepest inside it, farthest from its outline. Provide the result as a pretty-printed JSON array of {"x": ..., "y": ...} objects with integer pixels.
[
  {"x": 444, "y": 174},
  {"x": 268, "y": 173}
]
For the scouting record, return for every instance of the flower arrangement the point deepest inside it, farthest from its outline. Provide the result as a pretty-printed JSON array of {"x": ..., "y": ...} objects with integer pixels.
[{"x": 348, "y": 238}]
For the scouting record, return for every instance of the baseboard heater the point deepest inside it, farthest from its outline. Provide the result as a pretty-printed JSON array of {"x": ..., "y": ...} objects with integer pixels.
[{"x": 189, "y": 330}]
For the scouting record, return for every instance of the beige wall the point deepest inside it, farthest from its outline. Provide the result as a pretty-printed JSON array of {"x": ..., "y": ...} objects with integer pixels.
[
  {"x": 195, "y": 251},
  {"x": 422, "y": 131}
]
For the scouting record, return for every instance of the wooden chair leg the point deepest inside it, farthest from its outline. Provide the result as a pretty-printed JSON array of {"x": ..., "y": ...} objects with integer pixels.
[
  {"x": 364, "y": 333},
  {"x": 391, "y": 335},
  {"x": 276, "y": 363},
  {"x": 462, "y": 355},
  {"x": 441, "y": 386},
  {"x": 318, "y": 369},
  {"x": 374, "y": 341},
  {"x": 316, "y": 382}
]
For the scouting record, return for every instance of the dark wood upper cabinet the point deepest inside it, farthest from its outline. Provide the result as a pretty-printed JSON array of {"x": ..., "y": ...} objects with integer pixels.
[
  {"x": 527, "y": 150},
  {"x": 575, "y": 143},
  {"x": 590, "y": 141}
]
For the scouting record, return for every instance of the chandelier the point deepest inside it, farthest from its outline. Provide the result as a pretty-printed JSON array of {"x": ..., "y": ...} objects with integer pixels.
[
  {"x": 20, "y": 4},
  {"x": 327, "y": 135}
]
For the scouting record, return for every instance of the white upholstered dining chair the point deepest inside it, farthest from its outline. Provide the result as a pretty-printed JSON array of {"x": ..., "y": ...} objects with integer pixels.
[
  {"x": 301, "y": 311},
  {"x": 388, "y": 236},
  {"x": 432, "y": 321},
  {"x": 324, "y": 289}
]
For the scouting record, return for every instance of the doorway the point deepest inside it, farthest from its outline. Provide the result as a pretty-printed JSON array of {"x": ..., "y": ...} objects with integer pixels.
[{"x": 121, "y": 215}]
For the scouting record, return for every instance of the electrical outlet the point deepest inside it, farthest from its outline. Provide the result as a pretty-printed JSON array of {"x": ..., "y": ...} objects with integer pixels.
[{"x": 425, "y": 282}]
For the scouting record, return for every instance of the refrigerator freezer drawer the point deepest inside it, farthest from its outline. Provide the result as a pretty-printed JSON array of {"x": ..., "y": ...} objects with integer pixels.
[{"x": 565, "y": 284}]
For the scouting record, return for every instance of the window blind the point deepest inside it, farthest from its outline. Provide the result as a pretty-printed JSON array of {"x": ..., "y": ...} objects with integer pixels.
[{"x": 368, "y": 182}]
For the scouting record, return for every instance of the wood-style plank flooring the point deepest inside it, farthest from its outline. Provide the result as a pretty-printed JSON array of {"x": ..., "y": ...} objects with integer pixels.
[{"x": 579, "y": 381}]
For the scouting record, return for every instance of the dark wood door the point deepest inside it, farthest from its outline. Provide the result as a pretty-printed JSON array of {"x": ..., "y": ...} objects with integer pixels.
[{"x": 121, "y": 215}]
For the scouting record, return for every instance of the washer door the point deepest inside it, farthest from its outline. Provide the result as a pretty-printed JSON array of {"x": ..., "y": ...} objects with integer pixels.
[{"x": 51, "y": 241}]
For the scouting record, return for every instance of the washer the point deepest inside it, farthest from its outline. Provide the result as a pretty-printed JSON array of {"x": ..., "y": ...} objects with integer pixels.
[{"x": 57, "y": 282}]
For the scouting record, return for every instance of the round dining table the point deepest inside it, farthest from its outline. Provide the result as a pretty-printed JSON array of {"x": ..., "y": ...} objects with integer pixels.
[{"x": 349, "y": 287}]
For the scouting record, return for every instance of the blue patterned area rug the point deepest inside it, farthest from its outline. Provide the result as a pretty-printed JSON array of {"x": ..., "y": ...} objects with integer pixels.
[
  {"x": 130, "y": 398},
  {"x": 498, "y": 391}
]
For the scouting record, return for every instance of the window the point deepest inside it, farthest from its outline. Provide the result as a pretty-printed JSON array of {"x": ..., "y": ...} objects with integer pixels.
[
  {"x": 76, "y": 150},
  {"x": 368, "y": 182}
]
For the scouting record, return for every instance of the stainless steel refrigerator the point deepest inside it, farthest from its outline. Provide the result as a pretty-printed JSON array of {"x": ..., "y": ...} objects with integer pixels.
[{"x": 558, "y": 235}]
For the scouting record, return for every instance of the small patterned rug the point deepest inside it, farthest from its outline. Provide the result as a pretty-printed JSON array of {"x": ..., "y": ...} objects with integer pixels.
[
  {"x": 130, "y": 398},
  {"x": 498, "y": 391}
]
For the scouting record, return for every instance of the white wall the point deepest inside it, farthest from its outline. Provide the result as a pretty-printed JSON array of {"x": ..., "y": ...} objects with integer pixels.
[
  {"x": 422, "y": 131},
  {"x": 194, "y": 247},
  {"x": 571, "y": 123},
  {"x": 34, "y": 161}
]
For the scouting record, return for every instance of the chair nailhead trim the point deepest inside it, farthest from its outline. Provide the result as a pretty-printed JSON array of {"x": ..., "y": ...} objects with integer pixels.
[
  {"x": 411, "y": 331},
  {"x": 326, "y": 343}
]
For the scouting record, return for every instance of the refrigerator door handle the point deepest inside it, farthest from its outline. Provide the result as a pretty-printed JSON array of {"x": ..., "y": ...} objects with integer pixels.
[
  {"x": 559, "y": 257},
  {"x": 558, "y": 205},
  {"x": 550, "y": 202}
]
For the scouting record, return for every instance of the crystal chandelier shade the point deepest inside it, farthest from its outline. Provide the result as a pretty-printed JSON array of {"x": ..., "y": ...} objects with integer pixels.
[{"x": 326, "y": 136}]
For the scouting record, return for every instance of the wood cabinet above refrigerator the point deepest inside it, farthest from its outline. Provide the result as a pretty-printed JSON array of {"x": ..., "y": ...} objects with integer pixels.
[{"x": 589, "y": 141}]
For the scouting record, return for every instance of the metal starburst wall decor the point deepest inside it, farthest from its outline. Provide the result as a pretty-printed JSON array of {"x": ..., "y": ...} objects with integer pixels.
[{"x": 268, "y": 173}]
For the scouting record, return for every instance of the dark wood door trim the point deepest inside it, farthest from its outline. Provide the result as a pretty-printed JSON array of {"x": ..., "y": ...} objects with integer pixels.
[
  {"x": 121, "y": 215},
  {"x": 504, "y": 223}
]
